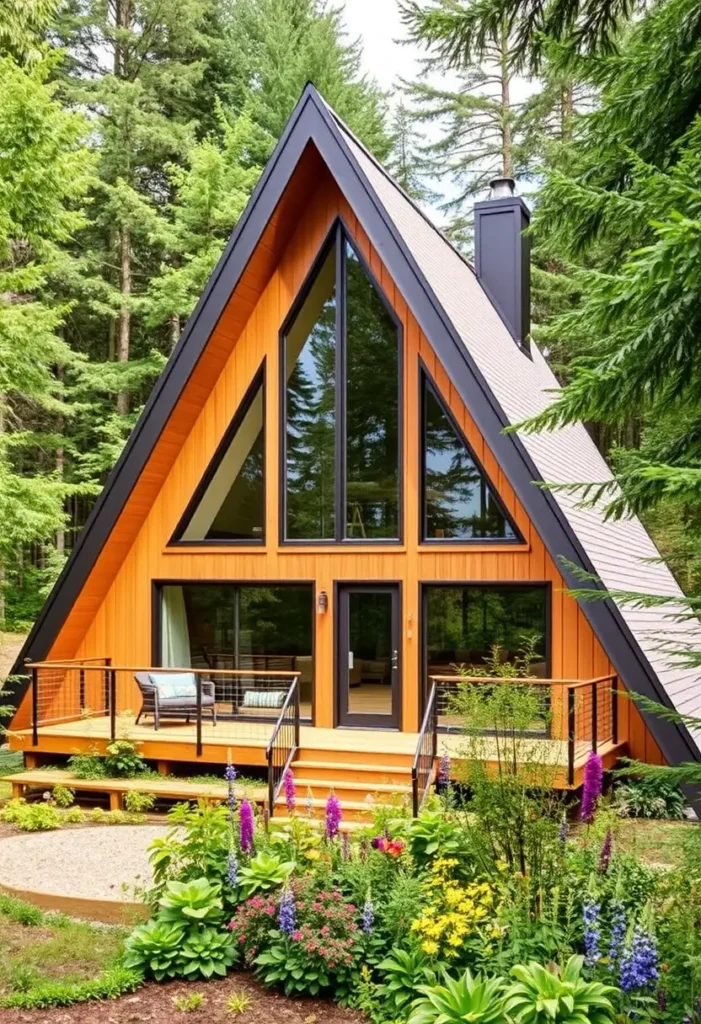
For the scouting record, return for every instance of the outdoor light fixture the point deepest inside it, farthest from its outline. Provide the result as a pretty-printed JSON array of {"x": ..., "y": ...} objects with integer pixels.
[{"x": 323, "y": 602}]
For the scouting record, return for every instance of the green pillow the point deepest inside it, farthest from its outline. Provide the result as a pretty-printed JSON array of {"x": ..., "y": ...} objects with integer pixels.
[
  {"x": 174, "y": 684},
  {"x": 264, "y": 698}
]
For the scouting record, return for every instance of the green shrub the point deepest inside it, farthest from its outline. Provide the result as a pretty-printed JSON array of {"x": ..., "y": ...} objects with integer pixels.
[
  {"x": 649, "y": 798},
  {"x": 542, "y": 996},
  {"x": 206, "y": 953},
  {"x": 138, "y": 802},
  {"x": 188, "y": 903},
  {"x": 30, "y": 817},
  {"x": 19, "y": 911},
  {"x": 123, "y": 760},
  {"x": 475, "y": 999},
  {"x": 113, "y": 982},
  {"x": 73, "y": 816},
  {"x": 63, "y": 796},
  {"x": 196, "y": 845},
  {"x": 87, "y": 766},
  {"x": 432, "y": 834},
  {"x": 264, "y": 872},
  {"x": 403, "y": 972},
  {"x": 154, "y": 948}
]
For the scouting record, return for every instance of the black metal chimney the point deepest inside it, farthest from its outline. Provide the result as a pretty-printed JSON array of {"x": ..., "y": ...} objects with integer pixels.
[{"x": 503, "y": 256}]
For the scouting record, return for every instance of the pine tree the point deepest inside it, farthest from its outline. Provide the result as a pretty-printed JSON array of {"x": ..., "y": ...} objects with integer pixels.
[{"x": 407, "y": 164}]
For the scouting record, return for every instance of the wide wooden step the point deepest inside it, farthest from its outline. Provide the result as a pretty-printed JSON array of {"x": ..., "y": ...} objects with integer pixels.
[
  {"x": 360, "y": 789},
  {"x": 344, "y": 754},
  {"x": 370, "y": 775}
]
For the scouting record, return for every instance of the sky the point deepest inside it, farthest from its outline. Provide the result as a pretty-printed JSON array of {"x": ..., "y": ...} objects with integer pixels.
[{"x": 379, "y": 25}]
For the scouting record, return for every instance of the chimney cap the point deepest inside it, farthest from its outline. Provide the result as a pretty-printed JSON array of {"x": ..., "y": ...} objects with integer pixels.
[{"x": 502, "y": 188}]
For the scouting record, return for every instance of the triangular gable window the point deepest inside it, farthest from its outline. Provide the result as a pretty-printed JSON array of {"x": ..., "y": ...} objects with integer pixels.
[
  {"x": 229, "y": 505},
  {"x": 458, "y": 501}
]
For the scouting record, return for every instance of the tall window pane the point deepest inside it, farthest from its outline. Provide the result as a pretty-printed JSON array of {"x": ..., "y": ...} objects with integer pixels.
[
  {"x": 310, "y": 406},
  {"x": 231, "y": 508},
  {"x": 458, "y": 502},
  {"x": 372, "y": 410}
]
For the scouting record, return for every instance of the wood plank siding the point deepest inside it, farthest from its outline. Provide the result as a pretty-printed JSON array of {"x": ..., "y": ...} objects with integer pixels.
[{"x": 113, "y": 614}]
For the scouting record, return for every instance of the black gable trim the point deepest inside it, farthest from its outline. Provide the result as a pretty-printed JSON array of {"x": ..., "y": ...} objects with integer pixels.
[{"x": 312, "y": 120}]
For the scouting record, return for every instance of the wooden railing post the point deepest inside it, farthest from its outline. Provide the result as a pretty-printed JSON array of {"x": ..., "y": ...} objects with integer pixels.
[
  {"x": 35, "y": 707},
  {"x": 570, "y": 734},
  {"x": 81, "y": 689},
  {"x": 594, "y": 716},
  {"x": 198, "y": 726},
  {"x": 614, "y": 709},
  {"x": 113, "y": 704},
  {"x": 297, "y": 700}
]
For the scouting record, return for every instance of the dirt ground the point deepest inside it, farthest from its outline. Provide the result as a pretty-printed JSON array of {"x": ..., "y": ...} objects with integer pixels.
[
  {"x": 10, "y": 646},
  {"x": 154, "y": 1004}
]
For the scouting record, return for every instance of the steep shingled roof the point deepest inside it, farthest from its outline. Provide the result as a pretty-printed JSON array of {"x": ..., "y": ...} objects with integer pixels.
[{"x": 498, "y": 383}]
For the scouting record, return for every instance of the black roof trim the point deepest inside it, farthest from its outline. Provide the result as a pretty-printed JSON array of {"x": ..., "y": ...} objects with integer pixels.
[{"x": 312, "y": 120}]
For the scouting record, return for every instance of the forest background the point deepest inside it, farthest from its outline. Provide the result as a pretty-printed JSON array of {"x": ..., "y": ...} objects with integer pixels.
[{"x": 132, "y": 133}]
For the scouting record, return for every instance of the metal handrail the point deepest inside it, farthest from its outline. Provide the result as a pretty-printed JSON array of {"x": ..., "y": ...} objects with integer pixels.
[
  {"x": 428, "y": 733},
  {"x": 275, "y": 784}
]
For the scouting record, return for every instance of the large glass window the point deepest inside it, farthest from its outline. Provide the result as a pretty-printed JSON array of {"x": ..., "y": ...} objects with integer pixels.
[
  {"x": 229, "y": 503},
  {"x": 465, "y": 623},
  {"x": 254, "y": 628},
  {"x": 341, "y": 404},
  {"x": 458, "y": 502}
]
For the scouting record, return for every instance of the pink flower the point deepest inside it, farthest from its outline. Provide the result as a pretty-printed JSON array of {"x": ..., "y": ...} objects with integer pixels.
[{"x": 593, "y": 785}]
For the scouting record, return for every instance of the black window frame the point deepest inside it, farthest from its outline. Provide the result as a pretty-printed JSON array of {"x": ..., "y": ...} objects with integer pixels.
[
  {"x": 426, "y": 585},
  {"x": 339, "y": 234},
  {"x": 258, "y": 382},
  {"x": 426, "y": 380}
]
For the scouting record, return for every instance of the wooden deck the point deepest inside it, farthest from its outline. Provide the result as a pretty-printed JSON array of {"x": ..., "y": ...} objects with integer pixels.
[{"x": 245, "y": 742}]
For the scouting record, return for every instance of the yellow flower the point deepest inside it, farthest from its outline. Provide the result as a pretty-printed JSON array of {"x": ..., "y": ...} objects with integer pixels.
[
  {"x": 312, "y": 855},
  {"x": 430, "y": 948},
  {"x": 455, "y": 939}
]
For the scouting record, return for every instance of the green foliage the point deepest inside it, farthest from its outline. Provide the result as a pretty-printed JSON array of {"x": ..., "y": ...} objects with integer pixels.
[
  {"x": 649, "y": 798},
  {"x": 196, "y": 844},
  {"x": 195, "y": 902},
  {"x": 154, "y": 949},
  {"x": 190, "y": 1003},
  {"x": 138, "y": 802},
  {"x": 63, "y": 796},
  {"x": 19, "y": 911},
  {"x": 263, "y": 873},
  {"x": 90, "y": 765},
  {"x": 542, "y": 996},
  {"x": 207, "y": 953},
  {"x": 238, "y": 1002},
  {"x": 433, "y": 834},
  {"x": 123, "y": 760},
  {"x": 402, "y": 972},
  {"x": 113, "y": 982},
  {"x": 37, "y": 817},
  {"x": 475, "y": 999}
]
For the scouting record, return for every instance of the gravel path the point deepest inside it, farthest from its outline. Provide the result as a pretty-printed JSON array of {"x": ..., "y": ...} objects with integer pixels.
[{"x": 91, "y": 863}]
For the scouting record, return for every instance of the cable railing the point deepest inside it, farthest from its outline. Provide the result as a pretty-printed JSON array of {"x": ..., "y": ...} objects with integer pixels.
[
  {"x": 579, "y": 715},
  {"x": 283, "y": 745},
  {"x": 92, "y": 690}
]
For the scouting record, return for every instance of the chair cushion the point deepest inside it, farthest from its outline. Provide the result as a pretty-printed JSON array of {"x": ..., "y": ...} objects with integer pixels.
[
  {"x": 264, "y": 698},
  {"x": 174, "y": 684}
]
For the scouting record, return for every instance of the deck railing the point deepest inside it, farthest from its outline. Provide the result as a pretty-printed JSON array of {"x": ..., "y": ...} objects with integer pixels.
[
  {"x": 580, "y": 714},
  {"x": 283, "y": 744},
  {"x": 81, "y": 690}
]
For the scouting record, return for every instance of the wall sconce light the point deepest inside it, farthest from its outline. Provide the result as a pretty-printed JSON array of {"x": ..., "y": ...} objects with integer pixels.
[{"x": 323, "y": 601}]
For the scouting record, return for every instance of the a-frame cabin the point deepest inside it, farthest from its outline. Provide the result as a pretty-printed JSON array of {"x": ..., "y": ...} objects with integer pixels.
[{"x": 319, "y": 512}]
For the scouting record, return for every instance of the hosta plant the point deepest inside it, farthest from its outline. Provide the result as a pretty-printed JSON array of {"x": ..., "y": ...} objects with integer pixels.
[
  {"x": 154, "y": 949},
  {"x": 206, "y": 953},
  {"x": 187, "y": 903},
  {"x": 542, "y": 996},
  {"x": 403, "y": 971},
  {"x": 264, "y": 872},
  {"x": 469, "y": 998}
]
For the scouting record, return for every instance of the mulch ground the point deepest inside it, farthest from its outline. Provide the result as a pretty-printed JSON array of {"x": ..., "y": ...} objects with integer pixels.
[{"x": 153, "y": 1004}]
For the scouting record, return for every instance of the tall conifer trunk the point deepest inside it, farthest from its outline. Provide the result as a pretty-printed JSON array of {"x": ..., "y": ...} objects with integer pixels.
[
  {"x": 506, "y": 143},
  {"x": 122, "y": 23}
]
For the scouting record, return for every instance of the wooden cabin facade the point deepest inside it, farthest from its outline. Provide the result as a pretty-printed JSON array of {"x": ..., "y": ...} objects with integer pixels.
[{"x": 311, "y": 497}]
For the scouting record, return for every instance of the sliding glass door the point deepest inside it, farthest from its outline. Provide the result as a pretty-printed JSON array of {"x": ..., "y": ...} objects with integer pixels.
[{"x": 254, "y": 628}]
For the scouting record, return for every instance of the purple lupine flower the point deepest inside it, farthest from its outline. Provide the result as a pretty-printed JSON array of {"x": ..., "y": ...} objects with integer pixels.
[
  {"x": 605, "y": 855},
  {"x": 232, "y": 870},
  {"x": 617, "y": 934},
  {"x": 662, "y": 1000},
  {"x": 593, "y": 785},
  {"x": 287, "y": 915},
  {"x": 592, "y": 932},
  {"x": 368, "y": 916},
  {"x": 290, "y": 799},
  {"x": 639, "y": 962},
  {"x": 562, "y": 830},
  {"x": 230, "y": 776},
  {"x": 246, "y": 827},
  {"x": 345, "y": 852},
  {"x": 443, "y": 779},
  {"x": 333, "y": 816}
]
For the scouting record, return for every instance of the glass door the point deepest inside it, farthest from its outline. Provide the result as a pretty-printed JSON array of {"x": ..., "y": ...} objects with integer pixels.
[{"x": 368, "y": 676}]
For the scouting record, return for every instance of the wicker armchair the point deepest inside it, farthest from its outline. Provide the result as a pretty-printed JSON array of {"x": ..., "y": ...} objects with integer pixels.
[{"x": 173, "y": 707}]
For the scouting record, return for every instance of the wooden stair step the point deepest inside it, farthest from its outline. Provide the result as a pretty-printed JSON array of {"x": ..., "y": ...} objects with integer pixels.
[
  {"x": 362, "y": 786},
  {"x": 375, "y": 769}
]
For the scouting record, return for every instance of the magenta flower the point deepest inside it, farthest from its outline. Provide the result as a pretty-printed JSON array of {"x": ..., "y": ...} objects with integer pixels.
[
  {"x": 333, "y": 816},
  {"x": 246, "y": 827},
  {"x": 605, "y": 854},
  {"x": 593, "y": 785},
  {"x": 290, "y": 791}
]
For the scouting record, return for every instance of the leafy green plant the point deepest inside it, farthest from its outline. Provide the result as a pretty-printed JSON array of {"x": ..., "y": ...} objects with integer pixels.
[
  {"x": 63, "y": 796},
  {"x": 113, "y": 982},
  {"x": 542, "y": 996},
  {"x": 196, "y": 844},
  {"x": 195, "y": 902},
  {"x": 206, "y": 953},
  {"x": 138, "y": 802},
  {"x": 189, "y": 1003},
  {"x": 154, "y": 948},
  {"x": 264, "y": 872},
  {"x": 655, "y": 797},
  {"x": 238, "y": 1002},
  {"x": 475, "y": 999},
  {"x": 403, "y": 972},
  {"x": 432, "y": 834},
  {"x": 123, "y": 760},
  {"x": 89, "y": 765},
  {"x": 30, "y": 817},
  {"x": 73, "y": 816}
]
